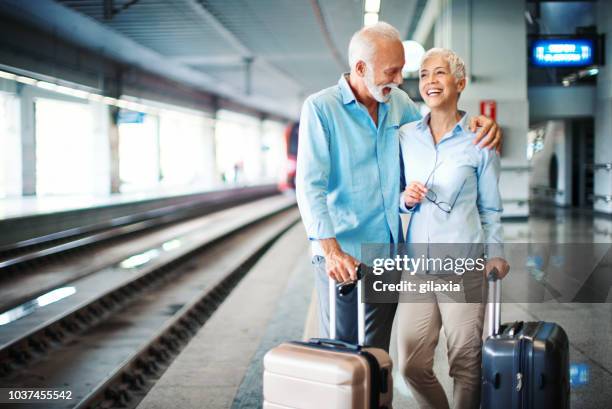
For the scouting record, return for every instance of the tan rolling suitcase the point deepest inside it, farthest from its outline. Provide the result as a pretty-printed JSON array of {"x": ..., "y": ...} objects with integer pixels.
[{"x": 328, "y": 373}]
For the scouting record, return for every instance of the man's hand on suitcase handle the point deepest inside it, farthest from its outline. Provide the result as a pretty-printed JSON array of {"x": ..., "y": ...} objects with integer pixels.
[
  {"x": 339, "y": 265},
  {"x": 347, "y": 286}
]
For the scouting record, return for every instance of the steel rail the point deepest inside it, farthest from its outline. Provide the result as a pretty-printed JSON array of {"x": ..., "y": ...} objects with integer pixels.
[{"x": 27, "y": 348}]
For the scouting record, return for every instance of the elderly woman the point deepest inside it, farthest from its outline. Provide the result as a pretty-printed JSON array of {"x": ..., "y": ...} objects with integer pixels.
[{"x": 453, "y": 197}]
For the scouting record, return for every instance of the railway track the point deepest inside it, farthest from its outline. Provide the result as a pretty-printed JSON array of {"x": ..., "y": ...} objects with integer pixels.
[
  {"x": 17, "y": 258},
  {"x": 113, "y": 335},
  {"x": 35, "y": 273}
]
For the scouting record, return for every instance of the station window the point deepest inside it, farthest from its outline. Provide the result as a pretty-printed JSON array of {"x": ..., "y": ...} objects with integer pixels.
[
  {"x": 274, "y": 150},
  {"x": 138, "y": 151},
  {"x": 183, "y": 144},
  {"x": 238, "y": 148},
  {"x": 10, "y": 143},
  {"x": 65, "y": 147}
]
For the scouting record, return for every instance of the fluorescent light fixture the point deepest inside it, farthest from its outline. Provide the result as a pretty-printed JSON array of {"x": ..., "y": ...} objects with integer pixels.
[
  {"x": 78, "y": 93},
  {"x": 53, "y": 85},
  {"x": 49, "y": 86},
  {"x": 372, "y": 6},
  {"x": 7, "y": 75},
  {"x": 135, "y": 106},
  {"x": 109, "y": 100},
  {"x": 370, "y": 18},
  {"x": 73, "y": 92},
  {"x": 26, "y": 80},
  {"x": 122, "y": 104},
  {"x": 95, "y": 97}
]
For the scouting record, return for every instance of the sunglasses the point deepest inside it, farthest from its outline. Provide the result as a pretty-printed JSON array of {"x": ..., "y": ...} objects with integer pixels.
[{"x": 433, "y": 196}]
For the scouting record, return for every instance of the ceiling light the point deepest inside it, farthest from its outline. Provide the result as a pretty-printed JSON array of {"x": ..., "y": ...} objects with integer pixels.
[
  {"x": 413, "y": 52},
  {"x": 95, "y": 97},
  {"x": 134, "y": 106},
  {"x": 26, "y": 80},
  {"x": 46, "y": 85},
  {"x": 372, "y": 6},
  {"x": 7, "y": 75},
  {"x": 109, "y": 101},
  {"x": 370, "y": 19},
  {"x": 122, "y": 104},
  {"x": 73, "y": 92}
]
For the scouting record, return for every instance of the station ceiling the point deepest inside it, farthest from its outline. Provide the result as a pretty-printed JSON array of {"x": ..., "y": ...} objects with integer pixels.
[
  {"x": 265, "y": 54},
  {"x": 291, "y": 48}
]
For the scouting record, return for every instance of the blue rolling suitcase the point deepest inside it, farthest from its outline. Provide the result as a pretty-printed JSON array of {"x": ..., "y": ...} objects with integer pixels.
[{"x": 525, "y": 365}]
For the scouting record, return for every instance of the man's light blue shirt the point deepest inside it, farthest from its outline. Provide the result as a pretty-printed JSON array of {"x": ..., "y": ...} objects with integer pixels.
[
  {"x": 461, "y": 174},
  {"x": 347, "y": 179}
]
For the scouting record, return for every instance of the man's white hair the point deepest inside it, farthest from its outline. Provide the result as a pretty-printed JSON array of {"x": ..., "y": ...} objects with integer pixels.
[
  {"x": 362, "y": 46},
  {"x": 455, "y": 63}
]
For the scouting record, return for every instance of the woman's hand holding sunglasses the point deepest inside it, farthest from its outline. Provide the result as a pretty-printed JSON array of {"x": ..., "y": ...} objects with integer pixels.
[{"x": 414, "y": 194}]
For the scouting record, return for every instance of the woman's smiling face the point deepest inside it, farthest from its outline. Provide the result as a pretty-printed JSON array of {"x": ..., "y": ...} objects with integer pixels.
[{"x": 438, "y": 85}]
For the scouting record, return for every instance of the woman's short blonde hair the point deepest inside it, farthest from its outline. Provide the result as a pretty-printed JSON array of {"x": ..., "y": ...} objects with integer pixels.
[{"x": 456, "y": 64}]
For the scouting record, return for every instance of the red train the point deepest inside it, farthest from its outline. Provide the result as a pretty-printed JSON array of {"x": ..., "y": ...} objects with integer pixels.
[{"x": 291, "y": 142}]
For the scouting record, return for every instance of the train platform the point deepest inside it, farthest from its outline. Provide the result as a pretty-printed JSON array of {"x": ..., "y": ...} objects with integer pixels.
[
  {"x": 184, "y": 312},
  {"x": 28, "y": 206},
  {"x": 221, "y": 367},
  {"x": 25, "y": 218},
  {"x": 207, "y": 116}
]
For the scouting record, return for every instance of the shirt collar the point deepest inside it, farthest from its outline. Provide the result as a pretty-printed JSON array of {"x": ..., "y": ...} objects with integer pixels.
[
  {"x": 345, "y": 89},
  {"x": 462, "y": 124},
  {"x": 347, "y": 93},
  {"x": 460, "y": 127},
  {"x": 424, "y": 122}
]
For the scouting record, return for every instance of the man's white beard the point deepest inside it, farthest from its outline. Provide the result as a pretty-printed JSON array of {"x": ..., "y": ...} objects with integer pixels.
[{"x": 377, "y": 90}]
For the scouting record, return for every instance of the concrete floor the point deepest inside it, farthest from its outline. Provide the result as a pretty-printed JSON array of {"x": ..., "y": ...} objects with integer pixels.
[
  {"x": 224, "y": 368},
  {"x": 223, "y": 360}
]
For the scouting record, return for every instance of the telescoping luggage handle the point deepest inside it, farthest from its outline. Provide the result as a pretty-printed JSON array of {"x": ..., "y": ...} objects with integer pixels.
[
  {"x": 494, "y": 303},
  {"x": 343, "y": 289}
]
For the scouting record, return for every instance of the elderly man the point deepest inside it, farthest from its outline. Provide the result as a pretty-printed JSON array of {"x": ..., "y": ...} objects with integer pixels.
[{"x": 348, "y": 173}]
